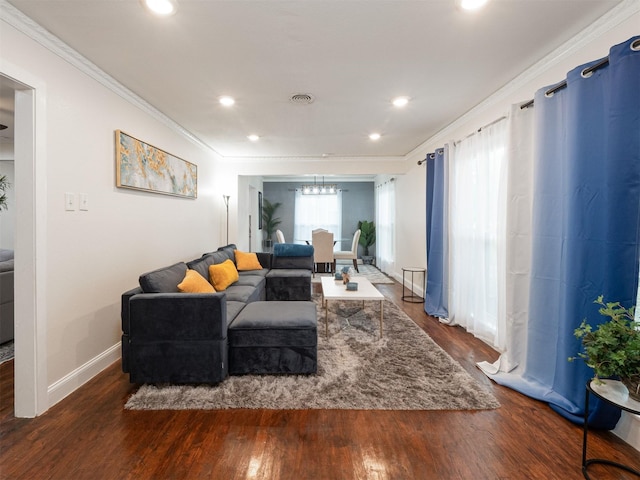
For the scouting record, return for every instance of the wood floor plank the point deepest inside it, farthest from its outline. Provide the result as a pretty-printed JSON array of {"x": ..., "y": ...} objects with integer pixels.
[{"x": 89, "y": 435}]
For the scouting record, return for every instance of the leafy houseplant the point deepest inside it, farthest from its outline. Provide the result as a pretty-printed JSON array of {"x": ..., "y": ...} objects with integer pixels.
[
  {"x": 367, "y": 238},
  {"x": 4, "y": 186},
  {"x": 269, "y": 221},
  {"x": 612, "y": 349}
]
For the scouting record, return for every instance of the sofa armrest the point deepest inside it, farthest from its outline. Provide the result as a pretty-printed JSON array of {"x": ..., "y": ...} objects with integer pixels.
[
  {"x": 124, "y": 308},
  {"x": 177, "y": 317}
]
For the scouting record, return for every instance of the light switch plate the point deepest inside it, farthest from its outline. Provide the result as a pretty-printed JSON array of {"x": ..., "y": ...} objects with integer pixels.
[
  {"x": 69, "y": 202},
  {"x": 84, "y": 201}
]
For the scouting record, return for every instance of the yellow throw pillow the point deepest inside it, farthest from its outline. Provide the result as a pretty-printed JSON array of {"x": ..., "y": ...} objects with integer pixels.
[
  {"x": 195, "y": 283},
  {"x": 247, "y": 261},
  {"x": 223, "y": 274}
]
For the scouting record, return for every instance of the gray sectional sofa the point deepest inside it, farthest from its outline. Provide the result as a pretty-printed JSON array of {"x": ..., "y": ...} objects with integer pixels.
[
  {"x": 6, "y": 295},
  {"x": 264, "y": 322}
]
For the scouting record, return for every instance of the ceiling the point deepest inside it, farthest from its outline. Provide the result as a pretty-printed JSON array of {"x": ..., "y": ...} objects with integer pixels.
[{"x": 352, "y": 56}]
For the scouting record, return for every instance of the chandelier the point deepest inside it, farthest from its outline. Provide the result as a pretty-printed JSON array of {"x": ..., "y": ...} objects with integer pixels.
[{"x": 319, "y": 189}]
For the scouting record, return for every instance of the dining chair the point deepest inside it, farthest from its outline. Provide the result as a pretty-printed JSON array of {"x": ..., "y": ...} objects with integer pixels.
[
  {"x": 349, "y": 254},
  {"x": 322, "y": 242},
  {"x": 280, "y": 236}
]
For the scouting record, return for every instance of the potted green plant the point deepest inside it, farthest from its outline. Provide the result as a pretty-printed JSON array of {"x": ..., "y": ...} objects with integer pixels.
[
  {"x": 367, "y": 238},
  {"x": 4, "y": 186},
  {"x": 269, "y": 221},
  {"x": 612, "y": 349}
]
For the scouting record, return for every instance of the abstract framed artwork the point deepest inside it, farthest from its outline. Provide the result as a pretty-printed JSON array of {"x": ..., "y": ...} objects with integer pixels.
[{"x": 140, "y": 166}]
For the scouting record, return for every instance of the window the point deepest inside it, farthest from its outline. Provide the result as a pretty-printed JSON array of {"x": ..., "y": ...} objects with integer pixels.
[{"x": 317, "y": 211}]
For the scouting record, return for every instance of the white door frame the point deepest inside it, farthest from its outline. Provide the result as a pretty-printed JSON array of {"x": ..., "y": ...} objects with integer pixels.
[{"x": 30, "y": 366}]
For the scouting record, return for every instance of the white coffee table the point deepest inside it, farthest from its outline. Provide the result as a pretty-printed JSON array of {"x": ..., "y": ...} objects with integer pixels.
[{"x": 336, "y": 290}]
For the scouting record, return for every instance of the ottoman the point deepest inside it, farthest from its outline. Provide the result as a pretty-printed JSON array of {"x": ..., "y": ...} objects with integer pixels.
[
  {"x": 274, "y": 337},
  {"x": 288, "y": 284}
]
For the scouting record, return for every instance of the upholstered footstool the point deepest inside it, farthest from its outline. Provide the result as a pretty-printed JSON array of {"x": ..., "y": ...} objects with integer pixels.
[
  {"x": 289, "y": 284},
  {"x": 274, "y": 337}
]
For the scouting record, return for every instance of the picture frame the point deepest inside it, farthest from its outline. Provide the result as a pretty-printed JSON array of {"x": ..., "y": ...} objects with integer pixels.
[
  {"x": 259, "y": 210},
  {"x": 141, "y": 166}
]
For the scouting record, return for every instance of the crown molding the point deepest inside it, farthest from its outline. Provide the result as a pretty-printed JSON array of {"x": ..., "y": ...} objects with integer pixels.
[
  {"x": 618, "y": 14},
  {"x": 24, "y": 24}
]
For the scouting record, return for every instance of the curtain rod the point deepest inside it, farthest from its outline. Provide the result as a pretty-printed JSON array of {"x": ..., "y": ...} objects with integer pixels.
[
  {"x": 481, "y": 128},
  {"x": 430, "y": 156},
  {"x": 587, "y": 72}
]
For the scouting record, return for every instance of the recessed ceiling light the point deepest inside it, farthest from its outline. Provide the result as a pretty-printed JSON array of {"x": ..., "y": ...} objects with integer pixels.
[
  {"x": 471, "y": 4},
  {"x": 253, "y": 137},
  {"x": 226, "y": 101},
  {"x": 161, "y": 7},
  {"x": 400, "y": 101},
  {"x": 374, "y": 136}
]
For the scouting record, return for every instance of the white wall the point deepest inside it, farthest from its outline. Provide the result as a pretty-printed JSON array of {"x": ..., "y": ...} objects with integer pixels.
[{"x": 92, "y": 256}]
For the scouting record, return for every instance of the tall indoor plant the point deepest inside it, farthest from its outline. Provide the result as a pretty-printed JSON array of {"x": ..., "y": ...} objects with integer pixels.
[
  {"x": 612, "y": 349},
  {"x": 367, "y": 239},
  {"x": 269, "y": 221}
]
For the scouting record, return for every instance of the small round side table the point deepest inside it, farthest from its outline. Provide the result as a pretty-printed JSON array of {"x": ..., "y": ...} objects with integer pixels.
[
  {"x": 615, "y": 393},
  {"x": 412, "y": 297}
]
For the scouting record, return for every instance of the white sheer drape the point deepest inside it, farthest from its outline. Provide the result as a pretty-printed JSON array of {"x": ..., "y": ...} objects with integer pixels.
[
  {"x": 477, "y": 186},
  {"x": 385, "y": 226},
  {"x": 317, "y": 211},
  {"x": 512, "y": 324}
]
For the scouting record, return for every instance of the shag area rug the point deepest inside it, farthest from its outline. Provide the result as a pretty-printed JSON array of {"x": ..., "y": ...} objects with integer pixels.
[
  {"x": 369, "y": 271},
  {"x": 404, "y": 370},
  {"x": 6, "y": 351}
]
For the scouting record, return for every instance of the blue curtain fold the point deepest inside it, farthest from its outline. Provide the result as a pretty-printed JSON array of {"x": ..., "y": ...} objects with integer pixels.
[
  {"x": 436, "y": 293},
  {"x": 586, "y": 216}
]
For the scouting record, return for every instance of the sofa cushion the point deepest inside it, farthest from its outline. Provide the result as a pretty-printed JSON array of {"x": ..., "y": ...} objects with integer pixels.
[
  {"x": 193, "y": 282},
  {"x": 253, "y": 273},
  {"x": 255, "y": 281},
  {"x": 163, "y": 280},
  {"x": 247, "y": 261},
  {"x": 202, "y": 264},
  {"x": 295, "y": 323},
  {"x": 222, "y": 275},
  {"x": 228, "y": 250},
  {"x": 244, "y": 293}
]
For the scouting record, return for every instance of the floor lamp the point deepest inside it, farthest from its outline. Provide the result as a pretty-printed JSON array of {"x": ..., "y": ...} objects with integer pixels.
[{"x": 226, "y": 202}]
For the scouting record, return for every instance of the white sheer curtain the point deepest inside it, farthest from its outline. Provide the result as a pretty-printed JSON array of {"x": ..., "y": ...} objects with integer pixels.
[
  {"x": 317, "y": 211},
  {"x": 385, "y": 226},
  {"x": 476, "y": 235},
  {"x": 512, "y": 326}
]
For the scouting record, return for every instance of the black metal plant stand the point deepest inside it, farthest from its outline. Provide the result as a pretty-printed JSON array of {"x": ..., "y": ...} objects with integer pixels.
[{"x": 610, "y": 394}]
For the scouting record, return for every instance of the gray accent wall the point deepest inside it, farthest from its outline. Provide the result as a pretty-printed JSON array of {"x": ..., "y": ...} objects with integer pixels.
[{"x": 358, "y": 203}]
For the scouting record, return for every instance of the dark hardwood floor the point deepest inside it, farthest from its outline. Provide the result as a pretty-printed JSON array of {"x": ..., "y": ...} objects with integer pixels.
[{"x": 89, "y": 435}]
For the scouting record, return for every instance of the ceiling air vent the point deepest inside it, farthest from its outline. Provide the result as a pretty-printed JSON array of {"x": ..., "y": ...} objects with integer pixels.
[{"x": 302, "y": 98}]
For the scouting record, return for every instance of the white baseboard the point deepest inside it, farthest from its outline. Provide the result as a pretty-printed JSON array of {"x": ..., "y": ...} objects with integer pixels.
[
  {"x": 81, "y": 375},
  {"x": 628, "y": 429}
]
